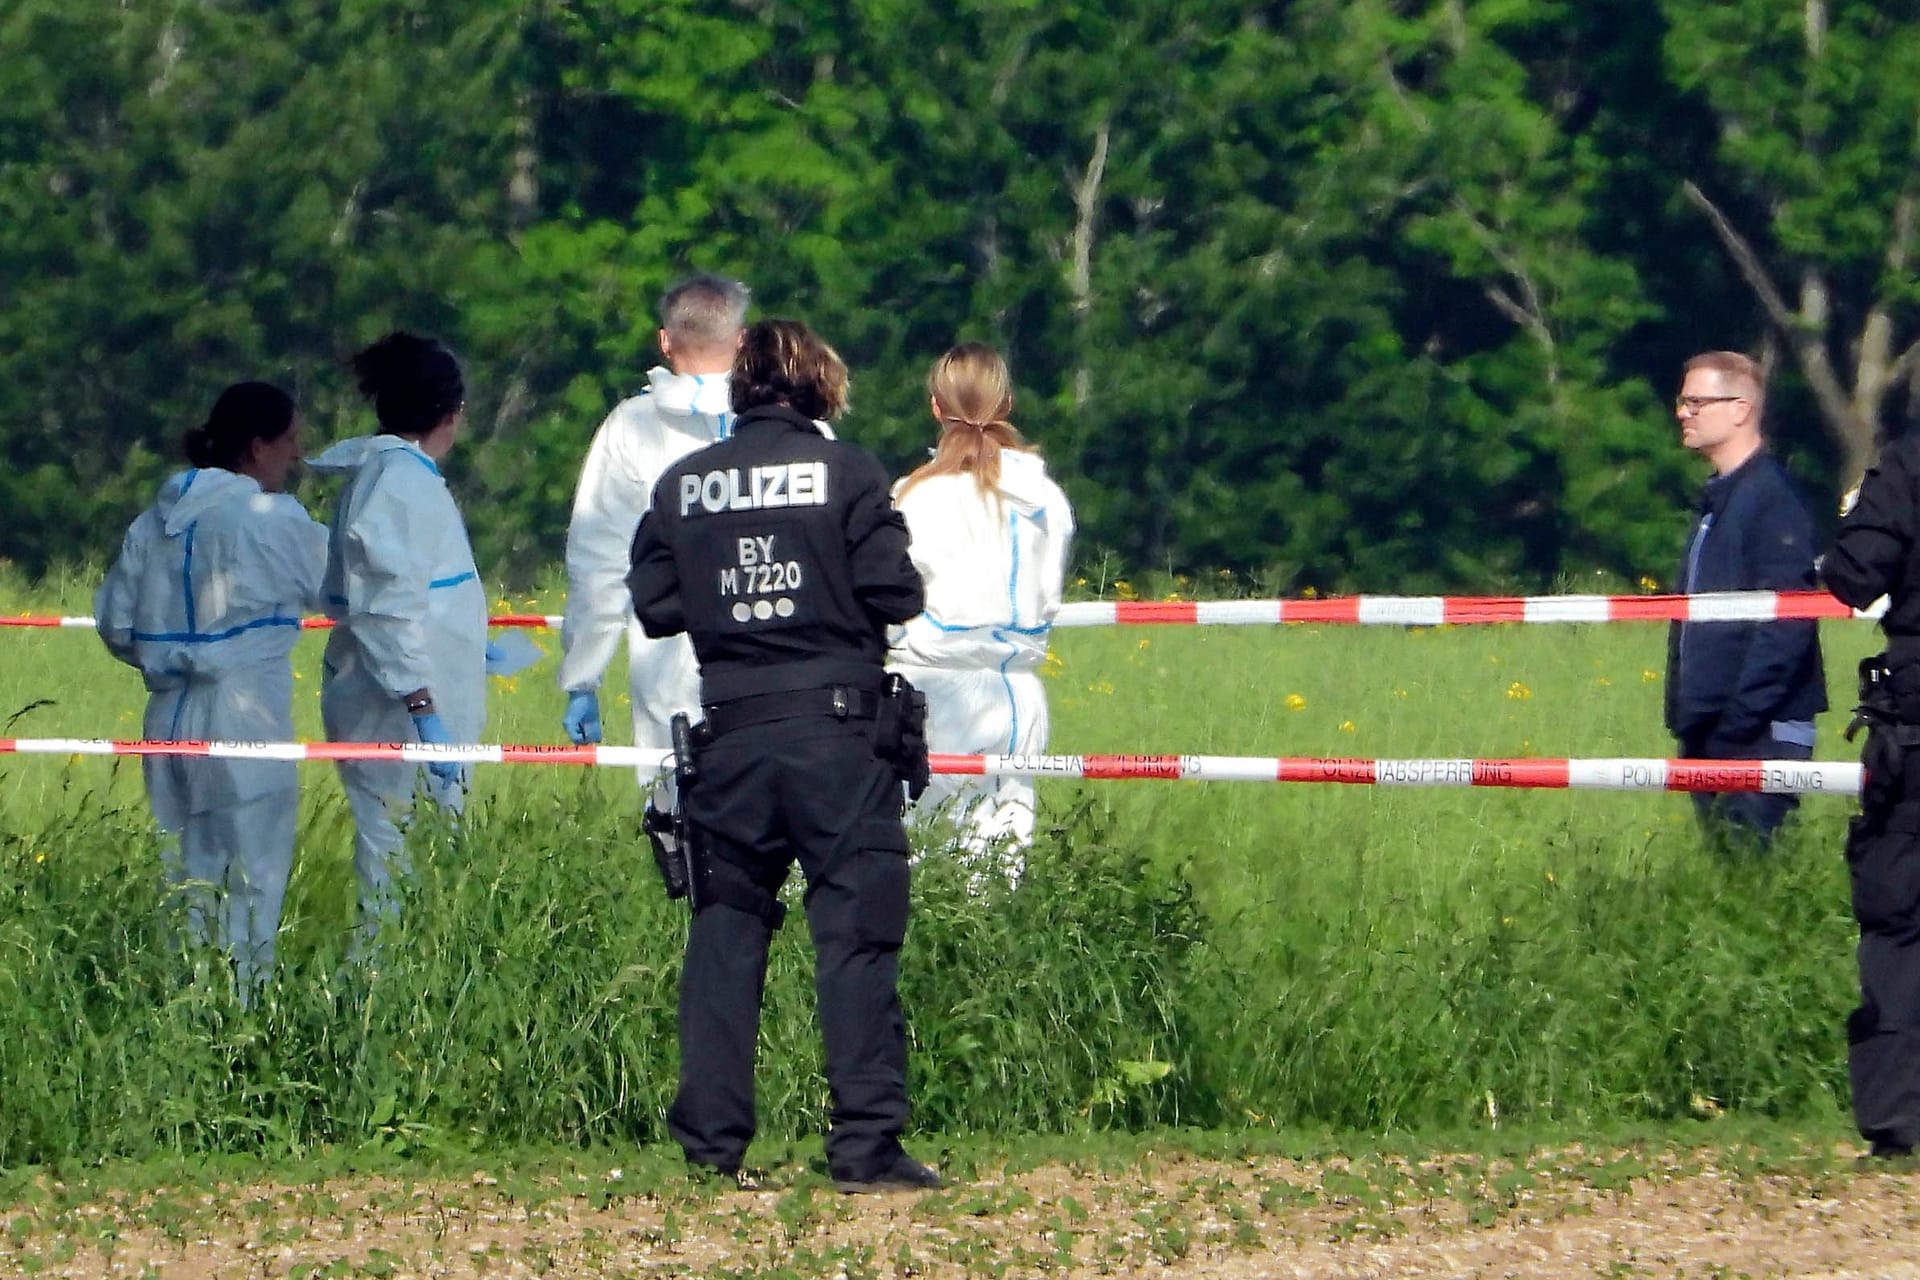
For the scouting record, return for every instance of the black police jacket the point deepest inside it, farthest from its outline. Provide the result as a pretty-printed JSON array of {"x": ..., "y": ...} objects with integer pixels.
[
  {"x": 779, "y": 553},
  {"x": 1874, "y": 552},
  {"x": 1734, "y": 679}
]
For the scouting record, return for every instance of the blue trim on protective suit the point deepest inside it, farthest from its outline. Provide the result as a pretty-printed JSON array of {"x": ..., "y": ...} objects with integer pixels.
[
  {"x": 1013, "y": 707},
  {"x": 209, "y": 637},
  {"x": 723, "y": 422},
  {"x": 454, "y": 581},
  {"x": 422, "y": 459},
  {"x": 186, "y": 578}
]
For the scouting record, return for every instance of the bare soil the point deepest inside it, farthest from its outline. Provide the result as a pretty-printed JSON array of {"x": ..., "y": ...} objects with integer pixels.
[{"x": 1562, "y": 1212}]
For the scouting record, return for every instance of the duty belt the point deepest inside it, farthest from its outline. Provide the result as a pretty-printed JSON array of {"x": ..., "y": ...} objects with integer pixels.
[{"x": 842, "y": 702}]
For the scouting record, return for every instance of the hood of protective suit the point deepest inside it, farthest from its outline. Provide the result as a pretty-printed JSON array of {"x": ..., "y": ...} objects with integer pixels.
[
  {"x": 186, "y": 497},
  {"x": 351, "y": 455},
  {"x": 685, "y": 394},
  {"x": 1023, "y": 481}
]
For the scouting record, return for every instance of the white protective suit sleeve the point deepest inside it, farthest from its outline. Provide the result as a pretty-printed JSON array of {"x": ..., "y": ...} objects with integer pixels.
[
  {"x": 615, "y": 489},
  {"x": 387, "y": 584},
  {"x": 638, "y": 441},
  {"x": 115, "y": 603}
]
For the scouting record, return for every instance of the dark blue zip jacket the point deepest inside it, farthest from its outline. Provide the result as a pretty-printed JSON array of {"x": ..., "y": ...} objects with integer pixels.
[{"x": 1734, "y": 679}]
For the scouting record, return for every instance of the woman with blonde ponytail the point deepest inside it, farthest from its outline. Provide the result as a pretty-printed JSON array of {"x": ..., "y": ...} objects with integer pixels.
[{"x": 990, "y": 538}]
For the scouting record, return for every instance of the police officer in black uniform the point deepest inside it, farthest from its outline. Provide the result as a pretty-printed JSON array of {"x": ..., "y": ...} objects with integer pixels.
[
  {"x": 1877, "y": 552},
  {"x": 778, "y": 551}
]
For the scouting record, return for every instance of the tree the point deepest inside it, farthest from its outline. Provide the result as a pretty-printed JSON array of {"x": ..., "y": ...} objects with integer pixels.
[{"x": 1817, "y": 190}]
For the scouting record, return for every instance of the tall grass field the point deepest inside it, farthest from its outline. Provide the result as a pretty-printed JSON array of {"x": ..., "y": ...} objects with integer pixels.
[{"x": 1222, "y": 954}]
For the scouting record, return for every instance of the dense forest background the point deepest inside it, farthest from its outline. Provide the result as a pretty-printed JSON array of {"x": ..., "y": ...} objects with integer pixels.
[{"x": 1358, "y": 294}]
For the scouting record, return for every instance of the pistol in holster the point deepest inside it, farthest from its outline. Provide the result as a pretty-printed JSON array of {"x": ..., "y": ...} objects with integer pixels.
[
  {"x": 900, "y": 736},
  {"x": 1889, "y": 710},
  {"x": 675, "y": 841}
]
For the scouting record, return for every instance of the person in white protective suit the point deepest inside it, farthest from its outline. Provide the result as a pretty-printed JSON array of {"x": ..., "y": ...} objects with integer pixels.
[
  {"x": 685, "y": 407},
  {"x": 990, "y": 538},
  {"x": 205, "y": 600},
  {"x": 407, "y": 658}
]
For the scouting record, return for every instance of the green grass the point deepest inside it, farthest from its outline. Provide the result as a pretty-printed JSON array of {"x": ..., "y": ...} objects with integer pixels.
[{"x": 1261, "y": 957}]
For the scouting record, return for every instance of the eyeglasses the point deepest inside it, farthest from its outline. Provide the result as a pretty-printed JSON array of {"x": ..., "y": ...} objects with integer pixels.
[{"x": 1694, "y": 404}]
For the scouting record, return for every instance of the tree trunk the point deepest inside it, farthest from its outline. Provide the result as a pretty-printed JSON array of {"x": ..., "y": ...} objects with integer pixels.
[{"x": 1086, "y": 204}]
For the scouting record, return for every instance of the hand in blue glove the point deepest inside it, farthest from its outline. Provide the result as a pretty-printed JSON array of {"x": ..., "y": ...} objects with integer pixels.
[
  {"x": 582, "y": 720},
  {"x": 431, "y": 728}
]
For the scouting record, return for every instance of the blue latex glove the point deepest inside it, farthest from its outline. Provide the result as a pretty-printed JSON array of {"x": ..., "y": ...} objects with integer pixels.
[
  {"x": 431, "y": 728},
  {"x": 582, "y": 720}
]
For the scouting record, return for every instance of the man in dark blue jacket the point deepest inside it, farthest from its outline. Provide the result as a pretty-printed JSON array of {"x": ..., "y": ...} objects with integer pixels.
[{"x": 1742, "y": 690}]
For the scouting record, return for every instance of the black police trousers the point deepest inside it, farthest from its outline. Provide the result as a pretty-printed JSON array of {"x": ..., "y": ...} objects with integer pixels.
[
  {"x": 1883, "y": 1034},
  {"x": 810, "y": 789}
]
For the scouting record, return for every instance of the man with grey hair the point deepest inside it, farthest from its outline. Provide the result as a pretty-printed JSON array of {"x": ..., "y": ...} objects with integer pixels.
[{"x": 685, "y": 407}]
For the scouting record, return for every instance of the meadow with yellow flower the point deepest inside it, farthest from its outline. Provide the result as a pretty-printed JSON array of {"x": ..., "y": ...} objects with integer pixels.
[{"x": 1224, "y": 954}]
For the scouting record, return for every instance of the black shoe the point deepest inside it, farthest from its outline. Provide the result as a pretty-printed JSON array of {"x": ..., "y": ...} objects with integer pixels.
[
  {"x": 904, "y": 1174},
  {"x": 1884, "y": 1150}
]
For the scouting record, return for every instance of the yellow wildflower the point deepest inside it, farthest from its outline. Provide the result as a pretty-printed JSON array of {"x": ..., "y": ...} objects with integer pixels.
[
  {"x": 1347, "y": 726},
  {"x": 1144, "y": 642},
  {"x": 1104, "y": 686},
  {"x": 1518, "y": 690},
  {"x": 1295, "y": 702},
  {"x": 1124, "y": 589},
  {"x": 1308, "y": 593},
  {"x": 1648, "y": 584},
  {"x": 1605, "y": 683},
  {"x": 1649, "y": 676}
]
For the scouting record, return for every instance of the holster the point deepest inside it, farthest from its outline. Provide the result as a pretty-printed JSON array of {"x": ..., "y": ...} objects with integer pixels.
[
  {"x": 1889, "y": 710},
  {"x": 900, "y": 736},
  {"x": 676, "y": 842},
  {"x": 680, "y": 847}
]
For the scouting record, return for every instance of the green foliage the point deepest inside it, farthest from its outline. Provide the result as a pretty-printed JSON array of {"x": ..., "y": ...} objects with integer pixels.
[{"x": 1363, "y": 295}]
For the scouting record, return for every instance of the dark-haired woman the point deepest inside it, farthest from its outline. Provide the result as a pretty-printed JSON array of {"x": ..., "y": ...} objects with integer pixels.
[
  {"x": 990, "y": 537},
  {"x": 777, "y": 552},
  {"x": 406, "y": 662},
  {"x": 205, "y": 599}
]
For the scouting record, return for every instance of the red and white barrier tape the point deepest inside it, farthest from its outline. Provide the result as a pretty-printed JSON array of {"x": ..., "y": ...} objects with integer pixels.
[
  {"x": 1827, "y": 777},
  {"x": 534, "y": 620},
  {"x": 1395, "y": 611},
  {"x": 1434, "y": 611}
]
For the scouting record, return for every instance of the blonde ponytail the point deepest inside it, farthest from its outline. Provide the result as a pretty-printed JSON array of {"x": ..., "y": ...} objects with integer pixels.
[{"x": 972, "y": 394}]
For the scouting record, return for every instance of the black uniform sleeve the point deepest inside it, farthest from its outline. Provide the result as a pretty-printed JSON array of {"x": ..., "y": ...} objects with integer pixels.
[
  {"x": 653, "y": 580},
  {"x": 884, "y": 579},
  {"x": 1870, "y": 552},
  {"x": 1778, "y": 551}
]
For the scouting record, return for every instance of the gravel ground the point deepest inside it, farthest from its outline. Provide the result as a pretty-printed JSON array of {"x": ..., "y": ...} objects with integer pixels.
[{"x": 1561, "y": 1212}]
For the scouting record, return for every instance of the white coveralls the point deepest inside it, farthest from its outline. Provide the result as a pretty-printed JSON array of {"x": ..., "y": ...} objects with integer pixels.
[
  {"x": 412, "y": 614},
  {"x": 205, "y": 599},
  {"x": 640, "y": 439},
  {"x": 993, "y": 565}
]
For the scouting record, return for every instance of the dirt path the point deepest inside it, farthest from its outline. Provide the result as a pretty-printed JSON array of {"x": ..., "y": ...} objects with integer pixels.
[{"x": 1565, "y": 1212}]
